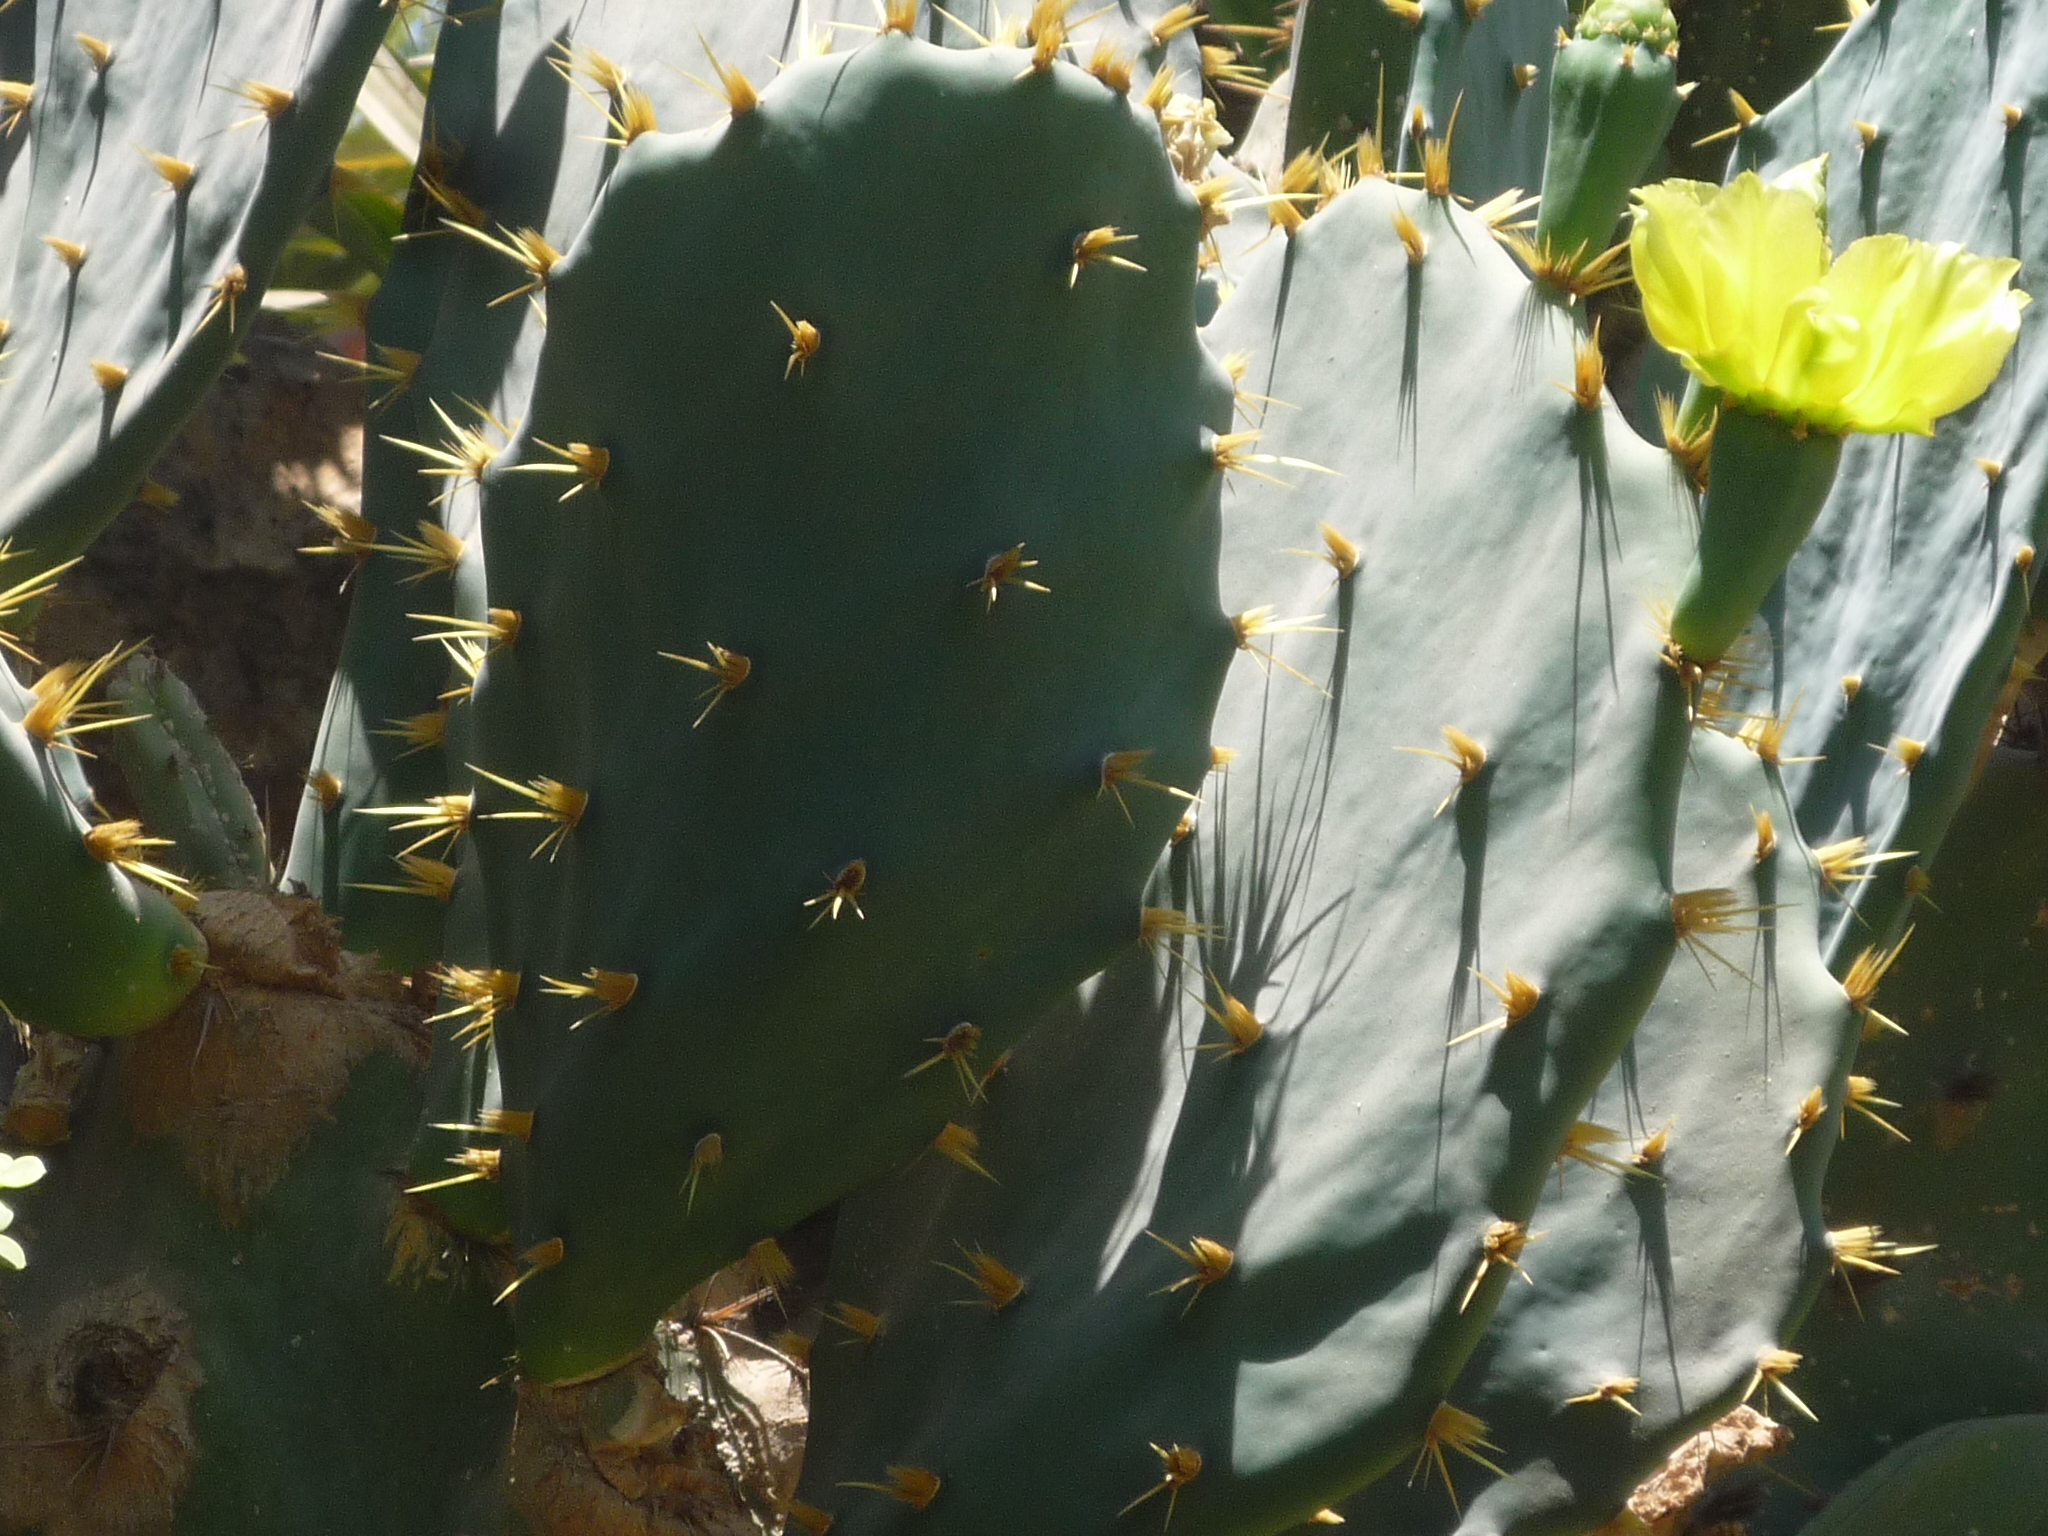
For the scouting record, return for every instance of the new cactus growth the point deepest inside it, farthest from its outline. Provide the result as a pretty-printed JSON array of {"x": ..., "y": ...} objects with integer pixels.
[
  {"x": 186, "y": 786},
  {"x": 1613, "y": 97},
  {"x": 1890, "y": 336},
  {"x": 92, "y": 941}
]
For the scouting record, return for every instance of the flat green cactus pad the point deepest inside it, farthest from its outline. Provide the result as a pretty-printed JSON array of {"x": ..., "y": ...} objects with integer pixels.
[
  {"x": 956, "y": 518},
  {"x": 157, "y": 163},
  {"x": 1498, "y": 545}
]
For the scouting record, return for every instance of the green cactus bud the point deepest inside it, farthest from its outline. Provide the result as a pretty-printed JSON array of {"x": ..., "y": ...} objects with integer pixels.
[
  {"x": 91, "y": 942},
  {"x": 1646, "y": 23},
  {"x": 1613, "y": 97}
]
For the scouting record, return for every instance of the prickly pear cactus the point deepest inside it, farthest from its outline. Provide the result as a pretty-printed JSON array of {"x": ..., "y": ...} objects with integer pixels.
[
  {"x": 1973, "y": 1077},
  {"x": 531, "y": 105},
  {"x": 1699, "y": 1354},
  {"x": 1248, "y": 1202},
  {"x": 229, "y": 1319},
  {"x": 1898, "y": 620},
  {"x": 1401, "y": 71},
  {"x": 971, "y": 751},
  {"x": 1949, "y": 639},
  {"x": 157, "y": 158}
]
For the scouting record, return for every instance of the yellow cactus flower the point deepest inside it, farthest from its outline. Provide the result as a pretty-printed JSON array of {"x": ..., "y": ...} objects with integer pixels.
[{"x": 1737, "y": 282}]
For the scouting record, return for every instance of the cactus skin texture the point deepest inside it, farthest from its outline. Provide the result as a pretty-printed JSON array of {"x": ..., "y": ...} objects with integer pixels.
[
  {"x": 205, "y": 1340},
  {"x": 85, "y": 949},
  {"x": 1613, "y": 97},
  {"x": 1350, "y": 1159},
  {"x": 1678, "y": 1273},
  {"x": 1771, "y": 484},
  {"x": 514, "y": 145},
  {"x": 1971, "y": 987},
  {"x": 184, "y": 782},
  {"x": 1937, "y": 549},
  {"x": 1988, "y": 1477},
  {"x": 536, "y": 139},
  {"x": 1360, "y": 67},
  {"x": 518, "y": 146},
  {"x": 72, "y": 449},
  {"x": 927, "y": 746}
]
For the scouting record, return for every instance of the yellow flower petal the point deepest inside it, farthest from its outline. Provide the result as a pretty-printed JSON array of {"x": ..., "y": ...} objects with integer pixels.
[
  {"x": 1935, "y": 325},
  {"x": 1810, "y": 179},
  {"x": 1736, "y": 283},
  {"x": 1721, "y": 269},
  {"x": 1664, "y": 245}
]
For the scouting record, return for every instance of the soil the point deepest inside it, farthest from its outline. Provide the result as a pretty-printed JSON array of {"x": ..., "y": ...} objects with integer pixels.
[{"x": 216, "y": 585}]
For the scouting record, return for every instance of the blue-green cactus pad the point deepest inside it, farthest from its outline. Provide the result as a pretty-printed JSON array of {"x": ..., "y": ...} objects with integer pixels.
[{"x": 831, "y": 523}]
